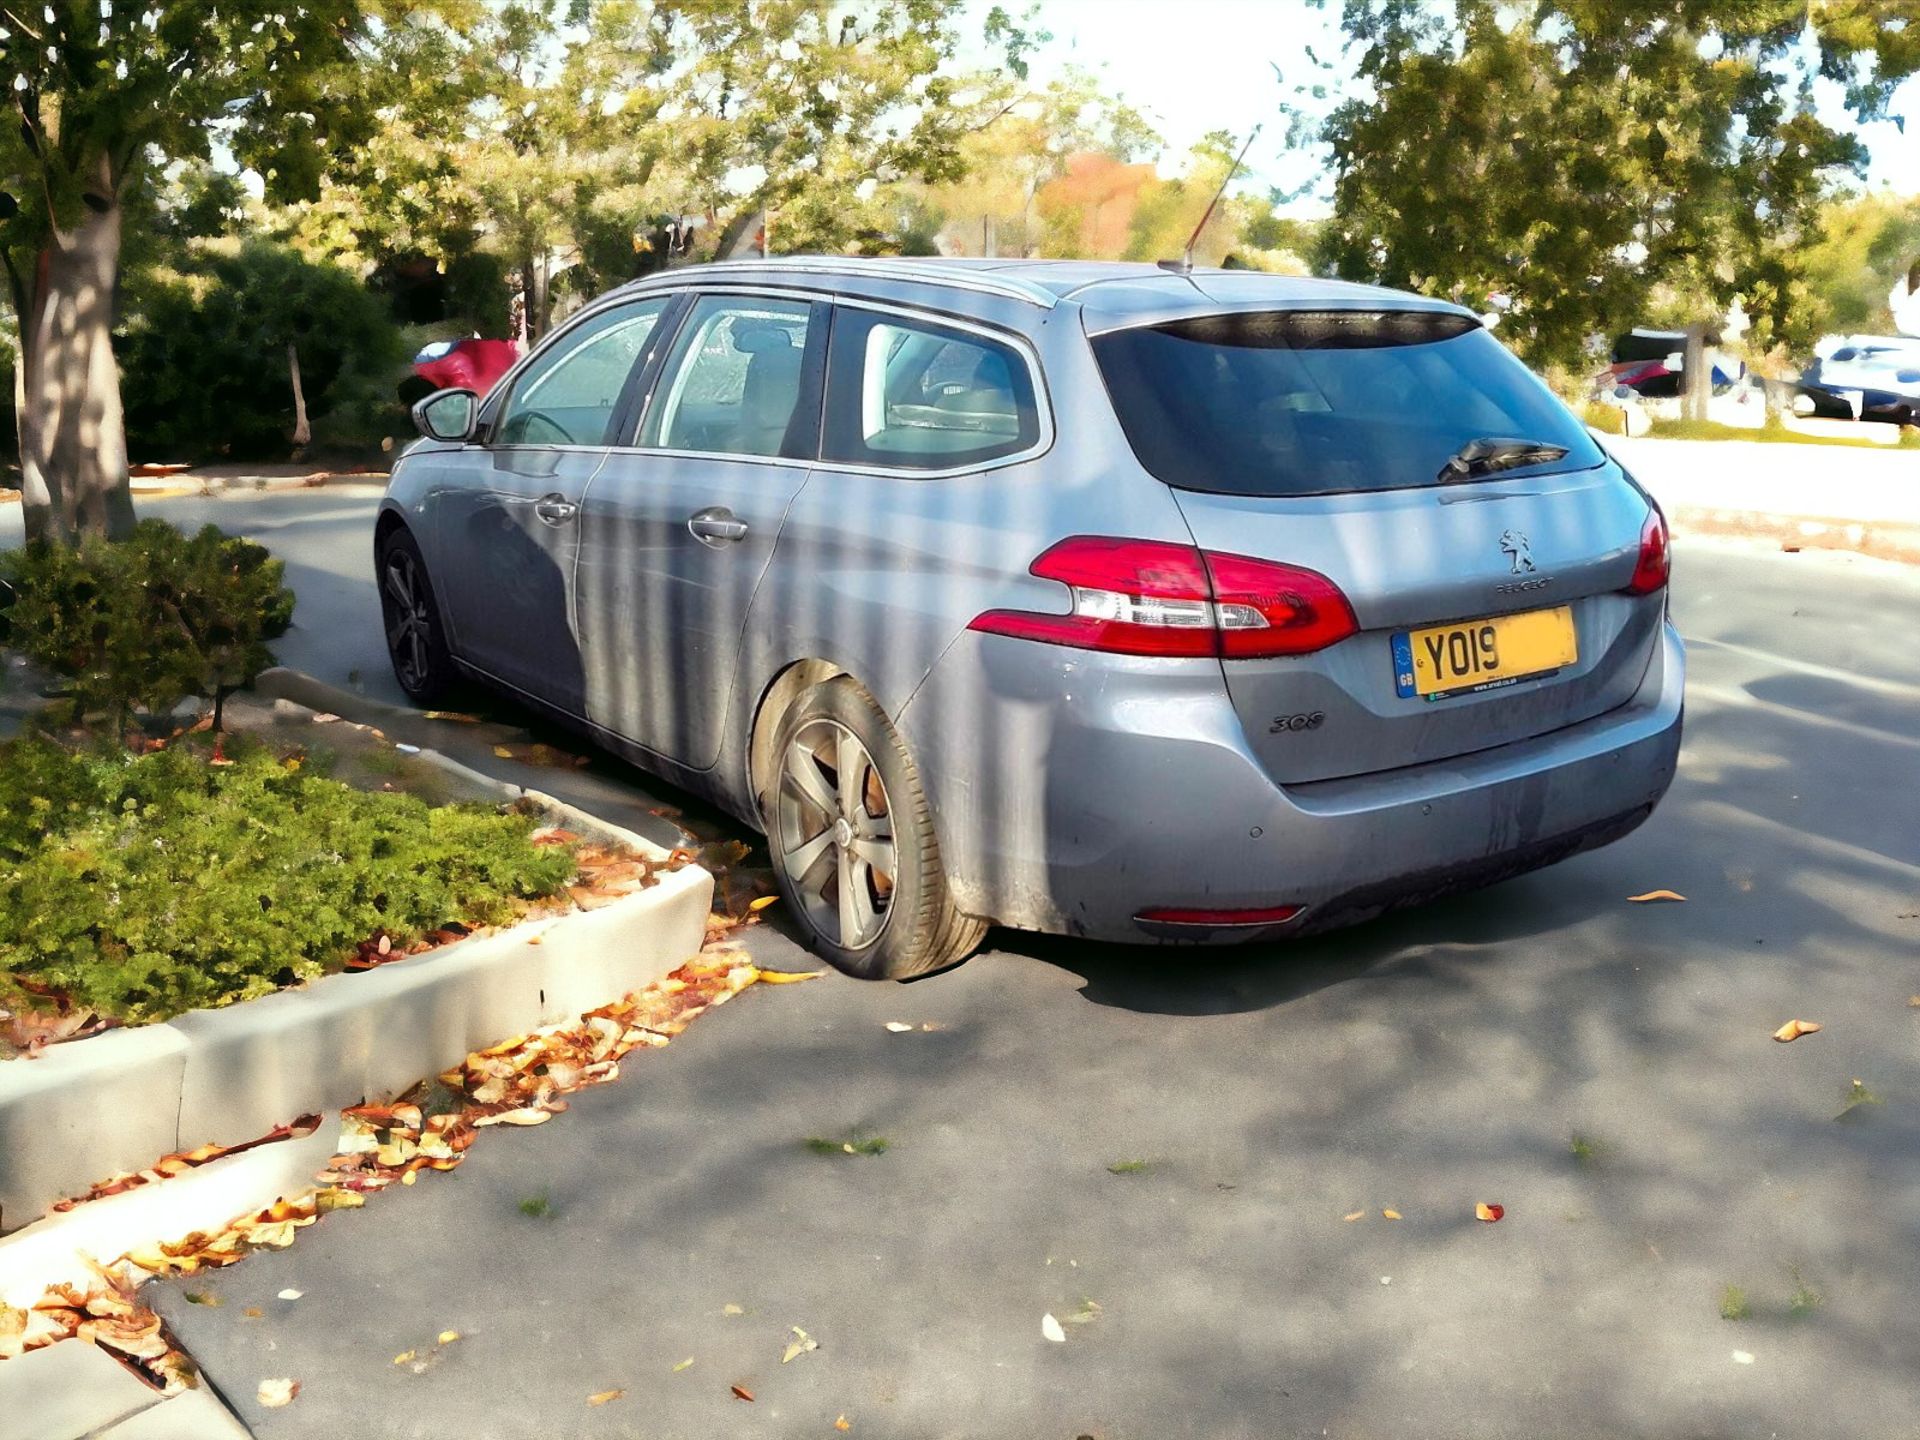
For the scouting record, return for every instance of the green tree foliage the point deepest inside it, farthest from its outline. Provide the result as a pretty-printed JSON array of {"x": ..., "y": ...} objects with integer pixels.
[
  {"x": 1866, "y": 243},
  {"x": 98, "y": 91},
  {"x": 206, "y": 353},
  {"x": 558, "y": 133},
  {"x": 142, "y": 623},
  {"x": 1578, "y": 155},
  {"x": 1026, "y": 140}
]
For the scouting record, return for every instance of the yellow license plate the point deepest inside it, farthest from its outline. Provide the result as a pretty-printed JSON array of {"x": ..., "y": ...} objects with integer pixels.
[{"x": 1473, "y": 655}]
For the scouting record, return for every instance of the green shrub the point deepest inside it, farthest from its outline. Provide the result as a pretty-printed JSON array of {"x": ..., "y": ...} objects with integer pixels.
[
  {"x": 142, "y": 623},
  {"x": 204, "y": 360},
  {"x": 142, "y": 887}
]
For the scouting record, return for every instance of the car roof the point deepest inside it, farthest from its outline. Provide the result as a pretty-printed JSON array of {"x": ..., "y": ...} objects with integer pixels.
[{"x": 1110, "y": 294}]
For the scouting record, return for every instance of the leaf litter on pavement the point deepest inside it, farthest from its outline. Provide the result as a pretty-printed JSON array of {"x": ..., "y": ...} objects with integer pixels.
[{"x": 380, "y": 1145}]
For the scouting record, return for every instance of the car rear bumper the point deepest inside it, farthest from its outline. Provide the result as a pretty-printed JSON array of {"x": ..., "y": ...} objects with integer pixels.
[{"x": 1074, "y": 791}]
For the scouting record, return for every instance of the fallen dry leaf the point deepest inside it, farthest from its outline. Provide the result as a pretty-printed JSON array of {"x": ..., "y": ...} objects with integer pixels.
[
  {"x": 799, "y": 1345},
  {"x": 447, "y": 1337},
  {"x": 1488, "y": 1213},
  {"x": 732, "y": 1309},
  {"x": 684, "y": 1364},
  {"x": 275, "y": 1393},
  {"x": 786, "y": 977},
  {"x": 1794, "y": 1029},
  {"x": 898, "y": 1027},
  {"x": 605, "y": 1396},
  {"x": 525, "y": 1115},
  {"x": 1357, "y": 1214},
  {"x": 252, "y": 1312},
  {"x": 1742, "y": 1357},
  {"x": 1391, "y": 1214},
  {"x": 1653, "y": 895},
  {"x": 762, "y": 903},
  {"x": 740, "y": 1392},
  {"x": 290, "y": 1294},
  {"x": 1050, "y": 1328},
  {"x": 842, "y": 1423}
]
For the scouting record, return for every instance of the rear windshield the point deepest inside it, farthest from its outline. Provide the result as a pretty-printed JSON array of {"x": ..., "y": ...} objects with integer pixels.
[{"x": 1321, "y": 402}]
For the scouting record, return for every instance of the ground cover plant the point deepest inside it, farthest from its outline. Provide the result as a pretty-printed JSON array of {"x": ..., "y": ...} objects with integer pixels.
[{"x": 137, "y": 887}]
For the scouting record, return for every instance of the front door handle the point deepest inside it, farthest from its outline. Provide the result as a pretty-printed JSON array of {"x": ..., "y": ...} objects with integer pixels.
[
  {"x": 555, "y": 509},
  {"x": 717, "y": 526}
]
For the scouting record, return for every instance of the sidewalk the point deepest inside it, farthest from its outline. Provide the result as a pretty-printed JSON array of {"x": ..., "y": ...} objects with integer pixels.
[{"x": 1800, "y": 496}]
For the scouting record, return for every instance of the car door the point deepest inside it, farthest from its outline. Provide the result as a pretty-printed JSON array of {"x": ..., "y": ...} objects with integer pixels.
[
  {"x": 511, "y": 535},
  {"x": 678, "y": 528}
]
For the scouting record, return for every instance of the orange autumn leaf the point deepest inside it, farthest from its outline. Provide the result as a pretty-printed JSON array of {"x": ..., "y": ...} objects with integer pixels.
[
  {"x": 842, "y": 1423},
  {"x": 740, "y": 1392},
  {"x": 275, "y": 1393},
  {"x": 1653, "y": 895},
  {"x": 1794, "y": 1029},
  {"x": 1488, "y": 1213},
  {"x": 604, "y": 1397},
  {"x": 1391, "y": 1214}
]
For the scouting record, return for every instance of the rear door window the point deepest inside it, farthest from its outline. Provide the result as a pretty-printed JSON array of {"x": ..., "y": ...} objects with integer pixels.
[
  {"x": 911, "y": 394},
  {"x": 735, "y": 382},
  {"x": 1325, "y": 402}
]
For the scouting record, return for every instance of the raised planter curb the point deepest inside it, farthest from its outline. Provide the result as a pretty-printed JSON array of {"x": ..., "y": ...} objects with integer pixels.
[
  {"x": 207, "y": 1197},
  {"x": 191, "y": 1415},
  {"x": 119, "y": 1101},
  {"x": 85, "y": 1109},
  {"x": 65, "y": 1392},
  {"x": 1883, "y": 540}
]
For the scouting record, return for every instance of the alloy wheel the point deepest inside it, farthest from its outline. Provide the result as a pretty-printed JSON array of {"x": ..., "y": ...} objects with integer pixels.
[
  {"x": 409, "y": 618},
  {"x": 834, "y": 833}
]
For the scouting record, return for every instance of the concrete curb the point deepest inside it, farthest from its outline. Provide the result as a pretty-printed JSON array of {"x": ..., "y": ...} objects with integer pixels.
[
  {"x": 120, "y": 1100},
  {"x": 1883, "y": 540}
]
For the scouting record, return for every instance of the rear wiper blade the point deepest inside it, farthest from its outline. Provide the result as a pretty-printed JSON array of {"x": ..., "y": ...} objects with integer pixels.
[{"x": 1491, "y": 453}]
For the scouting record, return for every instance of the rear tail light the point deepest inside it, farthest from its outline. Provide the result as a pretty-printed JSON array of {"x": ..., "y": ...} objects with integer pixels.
[
  {"x": 1147, "y": 597},
  {"x": 1650, "y": 572}
]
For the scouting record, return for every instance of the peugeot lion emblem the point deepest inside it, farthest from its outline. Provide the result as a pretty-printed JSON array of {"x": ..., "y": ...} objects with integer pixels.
[{"x": 1515, "y": 544}]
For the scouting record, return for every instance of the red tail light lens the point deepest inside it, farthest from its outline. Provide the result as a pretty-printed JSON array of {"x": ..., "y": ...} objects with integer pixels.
[
  {"x": 1655, "y": 564},
  {"x": 1147, "y": 597}
]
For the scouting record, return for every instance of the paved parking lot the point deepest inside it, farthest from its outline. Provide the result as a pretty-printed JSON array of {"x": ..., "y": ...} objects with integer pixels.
[{"x": 1161, "y": 1146}]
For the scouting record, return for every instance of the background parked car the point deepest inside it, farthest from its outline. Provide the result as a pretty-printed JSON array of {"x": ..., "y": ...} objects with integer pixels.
[{"x": 1867, "y": 377}]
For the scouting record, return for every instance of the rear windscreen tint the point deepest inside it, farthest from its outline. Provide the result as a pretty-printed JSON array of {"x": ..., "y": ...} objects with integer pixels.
[{"x": 1323, "y": 402}]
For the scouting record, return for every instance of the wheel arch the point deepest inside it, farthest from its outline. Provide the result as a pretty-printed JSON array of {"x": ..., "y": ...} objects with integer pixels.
[{"x": 778, "y": 697}]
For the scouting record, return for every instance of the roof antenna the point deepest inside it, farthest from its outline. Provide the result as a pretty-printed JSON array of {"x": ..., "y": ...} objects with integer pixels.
[{"x": 1184, "y": 265}]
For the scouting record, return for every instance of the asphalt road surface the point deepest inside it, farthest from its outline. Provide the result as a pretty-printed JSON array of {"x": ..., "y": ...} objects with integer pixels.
[{"x": 1161, "y": 1148}]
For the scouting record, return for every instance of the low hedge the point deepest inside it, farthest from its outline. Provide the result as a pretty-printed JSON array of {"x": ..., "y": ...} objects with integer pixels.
[
  {"x": 142, "y": 623},
  {"x": 144, "y": 886}
]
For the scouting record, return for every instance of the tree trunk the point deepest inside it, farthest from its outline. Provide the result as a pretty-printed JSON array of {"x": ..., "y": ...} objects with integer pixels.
[
  {"x": 302, "y": 432},
  {"x": 73, "y": 439},
  {"x": 1696, "y": 374}
]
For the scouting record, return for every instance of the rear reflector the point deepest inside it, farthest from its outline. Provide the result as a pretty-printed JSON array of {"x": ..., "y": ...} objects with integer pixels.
[
  {"x": 1655, "y": 564},
  {"x": 1216, "y": 919},
  {"x": 1148, "y": 597}
]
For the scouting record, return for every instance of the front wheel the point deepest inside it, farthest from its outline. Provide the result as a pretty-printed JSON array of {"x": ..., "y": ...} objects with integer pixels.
[
  {"x": 416, "y": 639},
  {"x": 853, "y": 844}
]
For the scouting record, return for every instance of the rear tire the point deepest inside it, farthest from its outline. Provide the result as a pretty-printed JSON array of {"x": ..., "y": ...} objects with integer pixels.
[
  {"x": 416, "y": 636},
  {"x": 853, "y": 843}
]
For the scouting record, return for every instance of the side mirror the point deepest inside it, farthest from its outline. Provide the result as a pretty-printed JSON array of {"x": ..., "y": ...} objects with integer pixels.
[{"x": 447, "y": 415}]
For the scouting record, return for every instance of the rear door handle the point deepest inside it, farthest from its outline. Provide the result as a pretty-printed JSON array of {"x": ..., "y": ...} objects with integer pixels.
[
  {"x": 716, "y": 526},
  {"x": 555, "y": 509}
]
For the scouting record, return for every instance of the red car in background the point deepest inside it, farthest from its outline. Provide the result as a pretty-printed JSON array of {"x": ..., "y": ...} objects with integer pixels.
[{"x": 471, "y": 364}]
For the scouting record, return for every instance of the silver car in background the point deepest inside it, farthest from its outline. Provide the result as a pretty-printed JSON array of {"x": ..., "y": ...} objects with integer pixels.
[{"x": 1099, "y": 599}]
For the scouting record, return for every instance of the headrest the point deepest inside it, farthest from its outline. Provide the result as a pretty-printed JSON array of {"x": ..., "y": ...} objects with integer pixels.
[{"x": 757, "y": 339}]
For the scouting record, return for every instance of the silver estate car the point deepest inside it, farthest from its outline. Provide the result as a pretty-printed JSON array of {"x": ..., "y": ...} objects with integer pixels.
[{"x": 1100, "y": 599}]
